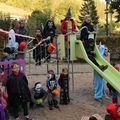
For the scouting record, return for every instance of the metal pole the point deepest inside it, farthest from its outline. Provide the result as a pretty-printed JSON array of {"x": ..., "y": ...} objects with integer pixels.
[
  {"x": 111, "y": 23},
  {"x": 29, "y": 62},
  {"x": 46, "y": 56},
  {"x": 72, "y": 77},
  {"x": 47, "y": 66},
  {"x": 106, "y": 12},
  {"x": 57, "y": 57},
  {"x": 68, "y": 56}
]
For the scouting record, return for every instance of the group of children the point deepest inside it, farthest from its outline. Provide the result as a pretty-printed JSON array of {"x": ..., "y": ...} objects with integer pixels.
[
  {"x": 41, "y": 51},
  {"x": 16, "y": 94},
  {"x": 15, "y": 91},
  {"x": 13, "y": 45}
]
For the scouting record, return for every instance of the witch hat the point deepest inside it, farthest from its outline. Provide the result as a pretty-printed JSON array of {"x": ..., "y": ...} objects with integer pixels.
[{"x": 69, "y": 13}]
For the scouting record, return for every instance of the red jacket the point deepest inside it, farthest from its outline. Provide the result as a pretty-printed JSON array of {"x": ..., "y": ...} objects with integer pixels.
[
  {"x": 64, "y": 26},
  {"x": 112, "y": 110}
]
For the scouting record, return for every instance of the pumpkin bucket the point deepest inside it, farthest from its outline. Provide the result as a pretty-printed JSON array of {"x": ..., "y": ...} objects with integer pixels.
[
  {"x": 55, "y": 92},
  {"x": 50, "y": 48}
]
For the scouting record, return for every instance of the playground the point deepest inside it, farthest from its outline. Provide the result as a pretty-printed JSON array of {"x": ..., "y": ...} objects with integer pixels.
[
  {"x": 82, "y": 101},
  {"x": 53, "y": 75},
  {"x": 80, "y": 85}
]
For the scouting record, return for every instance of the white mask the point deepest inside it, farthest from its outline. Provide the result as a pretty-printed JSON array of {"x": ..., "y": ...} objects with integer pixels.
[{"x": 38, "y": 87}]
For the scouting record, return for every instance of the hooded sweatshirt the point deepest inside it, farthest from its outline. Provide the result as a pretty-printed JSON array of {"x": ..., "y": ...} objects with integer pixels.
[{"x": 112, "y": 110}]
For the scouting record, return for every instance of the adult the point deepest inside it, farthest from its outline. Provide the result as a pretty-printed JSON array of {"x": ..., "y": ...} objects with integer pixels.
[
  {"x": 12, "y": 44},
  {"x": 22, "y": 31},
  {"x": 107, "y": 58},
  {"x": 98, "y": 81},
  {"x": 86, "y": 27},
  {"x": 100, "y": 87},
  {"x": 87, "y": 35},
  {"x": 107, "y": 54}
]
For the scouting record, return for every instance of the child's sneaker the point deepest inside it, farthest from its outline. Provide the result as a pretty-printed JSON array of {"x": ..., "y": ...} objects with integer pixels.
[
  {"x": 17, "y": 118},
  {"x": 50, "y": 108},
  {"x": 28, "y": 118},
  {"x": 56, "y": 106},
  {"x": 103, "y": 67}
]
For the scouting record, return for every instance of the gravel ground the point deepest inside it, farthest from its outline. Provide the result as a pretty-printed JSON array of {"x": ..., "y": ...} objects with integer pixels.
[{"x": 81, "y": 93}]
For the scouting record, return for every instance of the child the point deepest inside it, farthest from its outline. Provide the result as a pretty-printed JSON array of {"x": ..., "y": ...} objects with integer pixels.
[
  {"x": 38, "y": 51},
  {"x": 113, "y": 112},
  {"x": 106, "y": 56},
  {"x": 51, "y": 84},
  {"x": 11, "y": 35},
  {"x": 112, "y": 90},
  {"x": 18, "y": 91},
  {"x": 64, "y": 85},
  {"x": 8, "y": 54},
  {"x": 91, "y": 55},
  {"x": 38, "y": 94},
  {"x": 3, "y": 101},
  {"x": 49, "y": 31}
]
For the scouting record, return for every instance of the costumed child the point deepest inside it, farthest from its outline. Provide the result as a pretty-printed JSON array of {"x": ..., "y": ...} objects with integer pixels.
[
  {"x": 64, "y": 86},
  {"x": 39, "y": 51},
  {"x": 8, "y": 54},
  {"x": 3, "y": 102},
  {"x": 18, "y": 92},
  {"x": 38, "y": 94},
  {"x": 51, "y": 84},
  {"x": 49, "y": 31},
  {"x": 113, "y": 111},
  {"x": 68, "y": 25},
  {"x": 114, "y": 93},
  {"x": 12, "y": 44}
]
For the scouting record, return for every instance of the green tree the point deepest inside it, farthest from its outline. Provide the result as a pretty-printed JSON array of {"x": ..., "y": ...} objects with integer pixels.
[
  {"x": 4, "y": 21},
  {"x": 89, "y": 8},
  {"x": 115, "y": 4},
  {"x": 37, "y": 19}
]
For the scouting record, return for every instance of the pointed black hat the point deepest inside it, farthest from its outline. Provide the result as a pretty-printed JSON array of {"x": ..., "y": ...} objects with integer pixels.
[{"x": 69, "y": 13}]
